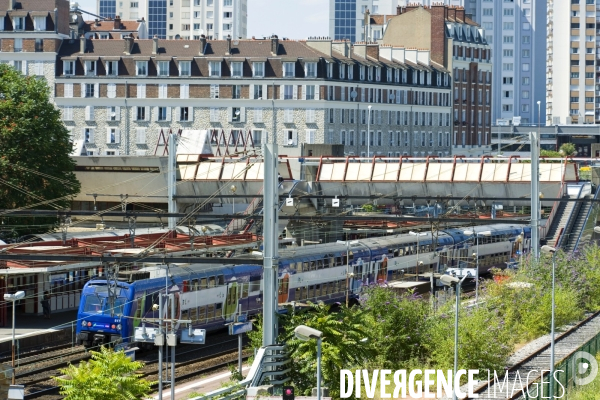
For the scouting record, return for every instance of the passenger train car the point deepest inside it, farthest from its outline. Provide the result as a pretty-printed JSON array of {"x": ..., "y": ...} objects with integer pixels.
[{"x": 210, "y": 295}]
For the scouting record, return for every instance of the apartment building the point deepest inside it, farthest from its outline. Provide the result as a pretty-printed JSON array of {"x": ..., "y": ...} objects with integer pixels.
[
  {"x": 456, "y": 44},
  {"x": 516, "y": 32},
  {"x": 347, "y": 17},
  {"x": 31, "y": 35},
  {"x": 116, "y": 96},
  {"x": 106, "y": 29},
  {"x": 184, "y": 19},
  {"x": 572, "y": 79}
]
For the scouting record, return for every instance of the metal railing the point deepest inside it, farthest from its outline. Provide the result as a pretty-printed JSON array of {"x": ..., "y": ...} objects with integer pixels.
[
  {"x": 587, "y": 220},
  {"x": 570, "y": 221}
]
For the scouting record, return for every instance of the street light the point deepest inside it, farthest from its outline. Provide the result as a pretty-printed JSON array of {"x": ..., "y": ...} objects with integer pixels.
[
  {"x": 417, "y": 267},
  {"x": 14, "y": 297},
  {"x": 368, "y": 131},
  {"x": 306, "y": 333},
  {"x": 454, "y": 281},
  {"x": 233, "y": 189},
  {"x": 476, "y": 256},
  {"x": 551, "y": 250}
]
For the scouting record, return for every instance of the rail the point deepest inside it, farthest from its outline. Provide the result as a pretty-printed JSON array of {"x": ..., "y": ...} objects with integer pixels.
[
  {"x": 567, "y": 229},
  {"x": 587, "y": 217}
]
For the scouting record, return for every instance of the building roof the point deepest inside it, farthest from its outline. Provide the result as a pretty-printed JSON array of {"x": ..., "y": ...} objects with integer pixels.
[
  {"x": 109, "y": 25},
  {"x": 30, "y": 5},
  {"x": 380, "y": 19},
  {"x": 191, "y": 48}
]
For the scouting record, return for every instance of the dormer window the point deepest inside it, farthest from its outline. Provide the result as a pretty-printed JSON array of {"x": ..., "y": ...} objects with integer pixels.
[
  {"x": 310, "y": 69},
  {"x": 258, "y": 69},
  {"x": 370, "y": 73},
  {"x": 19, "y": 23},
  {"x": 163, "y": 68},
  {"x": 39, "y": 23},
  {"x": 350, "y": 72},
  {"x": 141, "y": 68},
  {"x": 90, "y": 68},
  {"x": 396, "y": 75},
  {"x": 389, "y": 75},
  {"x": 378, "y": 74},
  {"x": 329, "y": 70},
  {"x": 342, "y": 71},
  {"x": 112, "y": 68},
  {"x": 236, "y": 69},
  {"x": 68, "y": 68},
  {"x": 104, "y": 36},
  {"x": 361, "y": 72},
  {"x": 289, "y": 69},
  {"x": 214, "y": 68},
  {"x": 185, "y": 68}
]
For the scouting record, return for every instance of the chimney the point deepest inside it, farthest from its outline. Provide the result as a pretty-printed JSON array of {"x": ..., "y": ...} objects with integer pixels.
[
  {"x": 373, "y": 51},
  {"x": 128, "y": 44},
  {"x": 274, "y": 44},
  {"x": 11, "y": 5},
  {"x": 82, "y": 43},
  {"x": 228, "y": 45},
  {"x": 460, "y": 14},
  {"x": 97, "y": 22},
  {"x": 117, "y": 23},
  {"x": 202, "y": 44},
  {"x": 155, "y": 45}
]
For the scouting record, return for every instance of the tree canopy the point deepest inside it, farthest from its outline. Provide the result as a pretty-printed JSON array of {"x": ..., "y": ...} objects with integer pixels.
[
  {"x": 35, "y": 147},
  {"x": 109, "y": 375}
]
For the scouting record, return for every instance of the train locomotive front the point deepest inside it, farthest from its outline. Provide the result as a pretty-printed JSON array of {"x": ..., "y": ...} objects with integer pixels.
[{"x": 100, "y": 319}]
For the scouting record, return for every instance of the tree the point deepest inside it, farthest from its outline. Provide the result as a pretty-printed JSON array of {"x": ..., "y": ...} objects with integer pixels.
[
  {"x": 568, "y": 149},
  {"x": 35, "y": 167},
  {"x": 109, "y": 375}
]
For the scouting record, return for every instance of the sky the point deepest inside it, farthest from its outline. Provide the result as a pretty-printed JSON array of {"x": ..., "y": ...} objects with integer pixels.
[{"x": 293, "y": 19}]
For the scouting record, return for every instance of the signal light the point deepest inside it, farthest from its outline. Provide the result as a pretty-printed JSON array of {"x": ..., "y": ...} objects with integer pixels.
[
  {"x": 89, "y": 324},
  {"x": 113, "y": 326},
  {"x": 288, "y": 393}
]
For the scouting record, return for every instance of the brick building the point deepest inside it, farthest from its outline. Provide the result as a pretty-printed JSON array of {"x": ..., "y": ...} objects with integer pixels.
[{"x": 457, "y": 44}]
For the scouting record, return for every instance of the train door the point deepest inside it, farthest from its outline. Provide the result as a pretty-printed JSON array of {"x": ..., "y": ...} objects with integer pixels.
[
  {"x": 173, "y": 308},
  {"x": 231, "y": 302},
  {"x": 359, "y": 271},
  {"x": 382, "y": 270},
  {"x": 284, "y": 289}
]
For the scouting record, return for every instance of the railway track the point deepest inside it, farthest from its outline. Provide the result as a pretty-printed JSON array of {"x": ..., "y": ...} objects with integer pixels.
[
  {"x": 191, "y": 361},
  {"x": 565, "y": 344}
]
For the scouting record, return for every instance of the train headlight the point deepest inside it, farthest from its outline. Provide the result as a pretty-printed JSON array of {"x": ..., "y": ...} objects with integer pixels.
[
  {"x": 83, "y": 324},
  {"x": 119, "y": 327},
  {"x": 89, "y": 324},
  {"x": 112, "y": 326}
]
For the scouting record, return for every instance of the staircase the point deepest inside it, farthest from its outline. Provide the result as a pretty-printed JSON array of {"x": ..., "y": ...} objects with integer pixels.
[
  {"x": 241, "y": 224},
  {"x": 578, "y": 224}
]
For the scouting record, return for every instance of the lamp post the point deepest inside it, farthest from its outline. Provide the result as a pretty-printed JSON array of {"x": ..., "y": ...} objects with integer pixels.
[
  {"x": 551, "y": 250},
  {"x": 233, "y": 189},
  {"x": 368, "y": 131},
  {"x": 13, "y": 298},
  {"x": 450, "y": 281},
  {"x": 417, "y": 234},
  {"x": 476, "y": 257},
  {"x": 305, "y": 333}
]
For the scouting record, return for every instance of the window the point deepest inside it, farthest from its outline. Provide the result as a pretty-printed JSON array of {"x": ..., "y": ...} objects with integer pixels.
[
  {"x": 185, "y": 68},
  {"x": 310, "y": 116},
  {"x": 507, "y": 66},
  {"x": 68, "y": 67},
  {"x": 508, "y": 26},
  {"x": 236, "y": 114},
  {"x": 141, "y": 68},
  {"x": 227, "y": 14},
  {"x": 310, "y": 136},
  {"x": 488, "y": 11},
  {"x": 209, "y": 14},
  {"x": 134, "y": 4},
  {"x": 258, "y": 69},
  {"x": 525, "y": 53},
  {"x": 258, "y": 92},
  {"x": 162, "y": 91},
  {"x": 68, "y": 90},
  {"x": 525, "y": 107},
  {"x": 525, "y": 81},
  {"x": 311, "y": 70},
  {"x": 526, "y": 66},
  {"x": 90, "y": 68},
  {"x": 111, "y": 90},
  {"x": 112, "y": 68},
  {"x": 310, "y": 92},
  {"x": 258, "y": 116},
  {"x": 525, "y": 94},
  {"x": 162, "y": 114},
  {"x": 163, "y": 68},
  {"x": 214, "y": 68},
  {"x": 67, "y": 113},
  {"x": 226, "y": 27},
  {"x": 112, "y": 135},
  {"x": 89, "y": 90},
  {"x": 526, "y": 26},
  {"x": 236, "y": 69},
  {"x": 236, "y": 91},
  {"x": 88, "y": 135},
  {"x": 288, "y": 92},
  {"x": 39, "y": 23},
  {"x": 526, "y": 39},
  {"x": 288, "y": 69},
  {"x": 141, "y": 114},
  {"x": 507, "y": 80},
  {"x": 574, "y": 99},
  {"x": 507, "y": 39},
  {"x": 507, "y": 53},
  {"x": 19, "y": 23},
  {"x": 589, "y": 75},
  {"x": 214, "y": 91},
  {"x": 257, "y": 136},
  {"x": 227, "y": 3},
  {"x": 184, "y": 114}
]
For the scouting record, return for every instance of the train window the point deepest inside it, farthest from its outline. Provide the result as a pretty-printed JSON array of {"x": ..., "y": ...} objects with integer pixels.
[
  {"x": 330, "y": 288},
  {"x": 184, "y": 314},
  {"x": 210, "y": 313},
  {"x": 326, "y": 262},
  {"x": 193, "y": 314},
  {"x": 319, "y": 264},
  {"x": 305, "y": 266},
  {"x": 331, "y": 261},
  {"x": 299, "y": 266},
  {"x": 202, "y": 313},
  {"x": 297, "y": 294},
  {"x": 203, "y": 284},
  {"x": 311, "y": 292},
  {"x": 186, "y": 286},
  {"x": 195, "y": 285},
  {"x": 313, "y": 265},
  {"x": 254, "y": 286},
  {"x": 220, "y": 280},
  {"x": 218, "y": 310},
  {"x": 211, "y": 282},
  {"x": 317, "y": 290},
  {"x": 400, "y": 252},
  {"x": 245, "y": 290}
]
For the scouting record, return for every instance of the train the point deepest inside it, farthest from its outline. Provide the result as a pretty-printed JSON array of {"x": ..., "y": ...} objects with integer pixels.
[{"x": 212, "y": 295}]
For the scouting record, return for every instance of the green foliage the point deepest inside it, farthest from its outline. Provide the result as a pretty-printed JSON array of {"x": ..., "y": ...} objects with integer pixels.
[
  {"x": 32, "y": 139},
  {"x": 587, "y": 392},
  {"x": 109, "y": 375},
  {"x": 236, "y": 375},
  {"x": 369, "y": 208},
  {"x": 567, "y": 149}
]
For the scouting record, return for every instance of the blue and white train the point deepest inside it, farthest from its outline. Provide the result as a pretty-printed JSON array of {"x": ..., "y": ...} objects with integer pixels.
[{"x": 210, "y": 295}]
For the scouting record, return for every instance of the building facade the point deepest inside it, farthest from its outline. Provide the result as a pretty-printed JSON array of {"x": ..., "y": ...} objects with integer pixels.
[
  {"x": 571, "y": 73},
  {"x": 347, "y": 17},
  {"x": 117, "y": 96},
  {"x": 457, "y": 44},
  {"x": 185, "y": 19}
]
